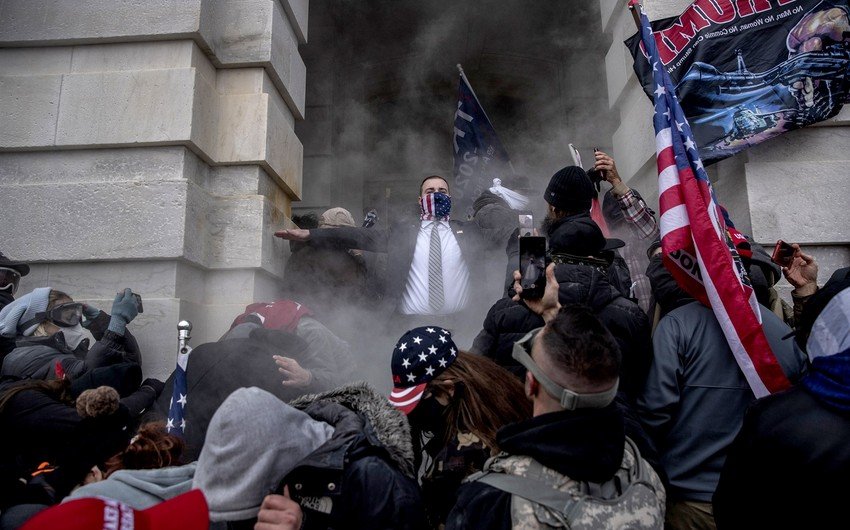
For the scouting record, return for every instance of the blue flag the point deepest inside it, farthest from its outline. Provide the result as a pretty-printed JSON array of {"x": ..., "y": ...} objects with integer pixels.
[
  {"x": 176, "y": 421},
  {"x": 478, "y": 153}
]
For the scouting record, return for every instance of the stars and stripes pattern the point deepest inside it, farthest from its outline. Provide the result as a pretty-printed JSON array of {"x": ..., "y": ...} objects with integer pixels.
[
  {"x": 420, "y": 355},
  {"x": 696, "y": 246},
  {"x": 177, "y": 407},
  {"x": 435, "y": 206}
]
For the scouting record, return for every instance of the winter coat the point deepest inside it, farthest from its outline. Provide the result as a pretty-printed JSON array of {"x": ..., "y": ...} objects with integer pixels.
[
  {"x": 508, "y": 321},
  {"x": 36, "y": 357},
  {"x": 362, "y": 477},
  {"x": 216, "y": 369},
  {"x": 695, "y": 395},
  {"x": 7, "y": 344},
  {"x": 323, "y": 277},
  {"x": 399, "y": 243},
  {"x": 499, "y": 226},
  {"x": 788, "y": 466},
  {"x": 496, "y": 220},
  {"x": 39, "y": 428},
  {"x": 140, "y": 488},
  {"x": 583, "y": 445}
]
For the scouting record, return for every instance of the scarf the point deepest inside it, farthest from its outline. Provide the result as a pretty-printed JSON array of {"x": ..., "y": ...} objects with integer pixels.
[{"x": 435, "y": 206}]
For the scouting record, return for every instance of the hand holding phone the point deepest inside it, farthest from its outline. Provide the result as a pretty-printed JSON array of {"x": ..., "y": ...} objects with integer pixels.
[
  {"x": 783, "y": 254},
  {"x": 532, "y": 266},
  {"x": 526, "y": 225}
]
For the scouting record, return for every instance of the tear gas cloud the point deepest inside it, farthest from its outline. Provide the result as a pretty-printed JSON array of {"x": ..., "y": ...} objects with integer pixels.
[{"x": 382, "y": 78}]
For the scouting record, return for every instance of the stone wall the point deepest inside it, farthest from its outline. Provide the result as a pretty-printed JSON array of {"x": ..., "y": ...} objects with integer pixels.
[
  {"x": 792, "y": 187},
  {"x": 151, "y": 144}
]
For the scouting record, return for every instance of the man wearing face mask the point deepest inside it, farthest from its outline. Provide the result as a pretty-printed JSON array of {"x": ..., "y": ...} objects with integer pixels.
[
  {"x": 10, "y": 277},
  {"x": 428, "y": 263},
  {"x": 51, "y": 341}
]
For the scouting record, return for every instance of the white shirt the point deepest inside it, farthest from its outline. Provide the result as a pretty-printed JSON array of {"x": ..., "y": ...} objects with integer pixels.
[{"x": 455, "y": 273}]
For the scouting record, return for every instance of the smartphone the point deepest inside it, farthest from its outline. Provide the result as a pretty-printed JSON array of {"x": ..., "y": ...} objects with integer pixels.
[
  {"x": 783, "y": 254},
  {"x": 532, "y": 266},
  {"x": 139, "y": 302},
  {"x": 596, "y": 176},
  {"x": 526, "y": 225}
]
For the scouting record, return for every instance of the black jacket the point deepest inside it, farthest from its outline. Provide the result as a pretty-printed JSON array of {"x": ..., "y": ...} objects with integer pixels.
[
  {"x": 507, "y": 322},
  {"x": 39, "y": 428},
  {"x": 363, "y": 476},
  {"x": 788, "y": 466},
  {"x": 583, "y": 445},
  {"x": 7, "y": 344},
  {"x": 399, "y": 242},
  {"x": 36, "y": 357},
  {"x": 216, "y": 369}
]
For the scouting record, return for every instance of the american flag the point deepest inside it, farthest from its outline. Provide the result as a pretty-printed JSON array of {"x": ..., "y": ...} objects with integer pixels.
[
  {"x": 176, "y": 421},
  {"x": 696, "y": 246}
]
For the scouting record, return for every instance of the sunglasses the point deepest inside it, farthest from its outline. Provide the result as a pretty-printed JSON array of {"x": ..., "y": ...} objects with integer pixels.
[
  {"x": 66, "y": 315},
  {"x": 9, "y": 278}
]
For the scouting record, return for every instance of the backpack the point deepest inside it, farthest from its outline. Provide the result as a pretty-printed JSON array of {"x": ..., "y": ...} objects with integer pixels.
[{"x": 543, "y": 498}]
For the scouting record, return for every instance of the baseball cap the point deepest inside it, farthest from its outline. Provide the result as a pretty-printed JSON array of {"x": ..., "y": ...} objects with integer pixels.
[
  {"x": 184, "y": 512},
  {"x": 420, "y": 355},
  {"x": 741, "y": 243}
]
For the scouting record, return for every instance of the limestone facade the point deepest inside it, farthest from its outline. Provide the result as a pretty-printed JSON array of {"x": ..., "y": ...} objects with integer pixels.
[{"x": 151, "y": 144}]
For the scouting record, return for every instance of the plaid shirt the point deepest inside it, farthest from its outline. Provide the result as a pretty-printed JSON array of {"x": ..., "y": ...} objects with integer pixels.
[
  {"x": 642, "y": 223},
  {"x": 640, "y": 218}
]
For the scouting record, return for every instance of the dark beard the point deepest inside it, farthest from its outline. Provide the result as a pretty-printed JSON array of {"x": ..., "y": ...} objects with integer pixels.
[{"x": 546, "y": 224}]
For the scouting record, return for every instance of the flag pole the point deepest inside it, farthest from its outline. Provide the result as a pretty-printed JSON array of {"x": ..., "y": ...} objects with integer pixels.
[
  {"x": 468, "y": 84},
  {"x": 634, "y": 7},
  {"x": 466, "y": 80}
]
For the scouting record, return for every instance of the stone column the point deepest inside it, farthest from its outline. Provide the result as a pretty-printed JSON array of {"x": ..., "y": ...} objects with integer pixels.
[
  {"x": 793, "y": 187},
  {"x": 151, "y": 144}
]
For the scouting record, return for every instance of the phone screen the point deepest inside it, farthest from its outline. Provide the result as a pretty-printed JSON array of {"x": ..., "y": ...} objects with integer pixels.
[
  {"x": 532, "y": 266},
  {"x": 526, "y": 225},
  {"x": 138, "y": 298}
]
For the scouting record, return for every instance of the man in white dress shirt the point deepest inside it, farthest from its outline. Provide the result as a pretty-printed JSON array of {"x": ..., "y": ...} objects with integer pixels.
[{"x": 430, "y": 261}]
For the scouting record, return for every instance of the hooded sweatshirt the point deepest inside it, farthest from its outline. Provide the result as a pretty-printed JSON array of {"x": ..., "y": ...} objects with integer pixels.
[
  {"x": 253, "y": 441},
  {"x": 140, "y": 488}
]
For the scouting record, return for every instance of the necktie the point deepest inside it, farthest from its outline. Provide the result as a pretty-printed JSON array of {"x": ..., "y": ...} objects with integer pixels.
[{"x": 435, "y": 270}]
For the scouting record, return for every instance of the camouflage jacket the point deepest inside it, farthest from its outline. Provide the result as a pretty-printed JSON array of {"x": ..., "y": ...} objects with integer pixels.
[{"x": 633, "y": 498}]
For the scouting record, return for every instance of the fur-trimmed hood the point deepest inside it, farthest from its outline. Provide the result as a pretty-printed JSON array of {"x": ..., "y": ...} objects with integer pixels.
[{"x": 389, "y": 425}]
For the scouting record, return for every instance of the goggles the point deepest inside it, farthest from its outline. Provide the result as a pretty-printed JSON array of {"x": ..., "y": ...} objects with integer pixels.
[
  {"x": 9, "y": 278},
  {"x": 66, "y": 315},
  {"x": 569, "y": 400}
]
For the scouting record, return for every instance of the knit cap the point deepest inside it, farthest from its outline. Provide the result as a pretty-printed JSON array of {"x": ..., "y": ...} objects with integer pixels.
[
  {"x": 20, "y": 317},
  {"x": 570, "y": 190},
  {"x": 253, "y": 441}
]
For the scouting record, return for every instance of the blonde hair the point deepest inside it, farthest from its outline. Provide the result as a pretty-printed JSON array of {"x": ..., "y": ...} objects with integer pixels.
[{"x": 52, "y": 300}]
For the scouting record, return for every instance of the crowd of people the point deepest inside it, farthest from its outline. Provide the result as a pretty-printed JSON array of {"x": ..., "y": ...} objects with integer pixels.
[{"x": 611, "y": 401}]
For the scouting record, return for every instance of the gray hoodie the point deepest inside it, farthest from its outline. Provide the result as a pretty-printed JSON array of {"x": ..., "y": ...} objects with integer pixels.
[{"x": 140, "y": 488}]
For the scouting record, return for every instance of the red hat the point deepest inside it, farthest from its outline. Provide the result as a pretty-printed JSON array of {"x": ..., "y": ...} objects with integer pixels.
[
  {"x": 743, "y": 246},
  {"x": 184, "y": 512}
]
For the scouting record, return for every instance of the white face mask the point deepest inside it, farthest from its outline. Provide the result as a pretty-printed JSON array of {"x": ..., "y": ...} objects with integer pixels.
[{"x": 74, "y": 335}]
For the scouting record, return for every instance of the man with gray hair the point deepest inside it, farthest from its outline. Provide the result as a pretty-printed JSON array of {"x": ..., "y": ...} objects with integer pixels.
[{"x": 570, "y": 465}]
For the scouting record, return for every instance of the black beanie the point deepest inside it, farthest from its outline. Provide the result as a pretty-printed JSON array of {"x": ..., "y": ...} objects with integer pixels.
[{"x": 570, "y": 190}]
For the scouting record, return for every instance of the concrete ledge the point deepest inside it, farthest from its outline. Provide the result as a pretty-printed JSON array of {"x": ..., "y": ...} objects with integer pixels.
[{"x": 297, "y": 12}]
